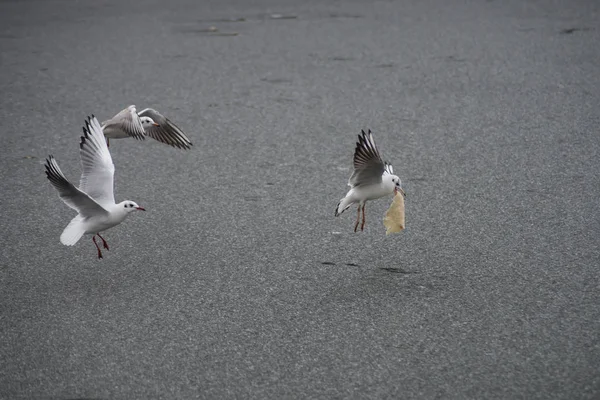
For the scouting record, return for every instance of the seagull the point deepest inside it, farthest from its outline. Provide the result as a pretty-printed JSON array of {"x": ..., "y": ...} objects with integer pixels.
[
  {"x": 94, "y": 199},
  {"x": 148, "y": 122},
  {"x": 371, "y": 179}
]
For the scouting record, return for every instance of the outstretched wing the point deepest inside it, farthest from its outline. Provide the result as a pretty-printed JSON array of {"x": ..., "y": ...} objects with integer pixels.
[
  {"x": 125, "y": 122},
  {"x": 73, "y": 197},
  {"x": 368, "y": 165},
  {"x": 166, "y": 131},
  {"x": 98, "y": 170}
]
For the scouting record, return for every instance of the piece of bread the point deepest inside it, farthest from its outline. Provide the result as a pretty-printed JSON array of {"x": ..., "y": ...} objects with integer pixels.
[{"x": 394, "y": 217}]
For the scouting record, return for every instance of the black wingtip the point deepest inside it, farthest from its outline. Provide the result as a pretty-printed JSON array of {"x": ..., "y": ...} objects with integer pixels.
[
  {"x": 50, "y": 170},
  {"x": 364, "y": 136},
  {"x": 362, "y": 140},
  {"x": 49, "y": 162},
  {"x": 86, "y": 128},
  {"x": 86, "y": 133}
]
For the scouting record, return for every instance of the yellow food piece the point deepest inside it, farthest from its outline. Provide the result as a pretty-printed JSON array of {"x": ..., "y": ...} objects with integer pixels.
[{"x": 394, "y": 217}]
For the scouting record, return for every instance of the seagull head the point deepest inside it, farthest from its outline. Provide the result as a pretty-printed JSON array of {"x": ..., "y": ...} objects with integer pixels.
[
  {"x": 148, "y": 122},
  {"x": 394, "y": 182},
  {"x": 130, "y": 206}
]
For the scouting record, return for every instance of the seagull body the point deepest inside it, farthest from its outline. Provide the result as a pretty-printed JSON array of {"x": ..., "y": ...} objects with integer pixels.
[
  {"x": 148, "y": 122},
  {"x": 94, "y": 199},
  {"x": 371, "y": 179}
]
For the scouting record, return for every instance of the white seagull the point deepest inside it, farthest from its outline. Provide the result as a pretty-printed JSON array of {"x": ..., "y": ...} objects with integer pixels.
[
  {"x": 148, "y": 122},
  {"x": 372, "y": 178},
  {"x": 94, "y": 199}
]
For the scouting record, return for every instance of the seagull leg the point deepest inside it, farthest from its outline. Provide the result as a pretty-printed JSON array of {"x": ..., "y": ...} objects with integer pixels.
[
  {"x": 364, "y": 218},
  {"x": 99, "y": 252},
  {"x": 357, "y": 218},
  {"x": 103, "y": 242}
]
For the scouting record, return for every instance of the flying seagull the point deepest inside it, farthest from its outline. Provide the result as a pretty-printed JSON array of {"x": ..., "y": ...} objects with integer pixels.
[
  {"x": 148, "y": 122},
  {"x": 94, "y": 199},
  {"x": 371, "y": 179}
]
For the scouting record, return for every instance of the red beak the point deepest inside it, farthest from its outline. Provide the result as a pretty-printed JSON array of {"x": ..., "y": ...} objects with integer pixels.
[
  {"x": 140, "y": 208},
  {"x": 155, "y": 124}
]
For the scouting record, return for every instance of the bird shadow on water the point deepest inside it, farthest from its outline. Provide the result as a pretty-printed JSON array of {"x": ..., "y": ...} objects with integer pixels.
[
  {"x": 346, "y": 264},
  {"x": 84, "y": 398},
  {"x": 395, "y": 270}
]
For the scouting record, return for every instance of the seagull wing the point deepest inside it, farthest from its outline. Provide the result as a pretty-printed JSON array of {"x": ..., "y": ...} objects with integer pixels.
[
  {"x": 388, "y": 169},
  {"x": 127, "y": 121},
  {"x": 98, "y": 170},
  {"x": 368, "y": 165},
  {"x": 166, "y": 131},
  {"x": 73, "y": 197}
]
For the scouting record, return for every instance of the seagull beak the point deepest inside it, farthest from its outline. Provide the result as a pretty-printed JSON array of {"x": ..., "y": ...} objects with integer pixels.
[
  {"x": 402, "y": 191},
  {"x": 155, "y": 124},
  {"x": 140, "y": 208}
]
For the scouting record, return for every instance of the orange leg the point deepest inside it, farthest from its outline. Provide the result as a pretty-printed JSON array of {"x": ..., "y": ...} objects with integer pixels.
[
  {"x": 357, "y": 219},
  {"x": 103, "y": 242},
  {"x": 99, "y": 252},
  {"x": 364, "y": 218}
]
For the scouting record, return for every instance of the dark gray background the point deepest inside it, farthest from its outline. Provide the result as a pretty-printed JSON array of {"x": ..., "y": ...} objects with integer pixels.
[{"x": 239, "y": 282}]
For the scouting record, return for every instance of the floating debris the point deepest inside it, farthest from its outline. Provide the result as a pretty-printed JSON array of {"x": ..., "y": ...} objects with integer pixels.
[{"x": 281, "y": 16}]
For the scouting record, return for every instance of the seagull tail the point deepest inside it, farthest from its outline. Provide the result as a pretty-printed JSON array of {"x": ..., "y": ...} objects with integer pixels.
[
  {"x": 73, "y": 232},
  {"x": 343, "y": 205}
]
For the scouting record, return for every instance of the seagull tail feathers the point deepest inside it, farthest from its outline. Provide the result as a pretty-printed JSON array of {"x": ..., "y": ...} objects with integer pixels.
[{"x": 73, "y": 232}]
